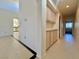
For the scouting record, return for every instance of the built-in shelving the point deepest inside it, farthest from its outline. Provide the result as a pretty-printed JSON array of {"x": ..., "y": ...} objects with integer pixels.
[{"x": 51, "y": 19}]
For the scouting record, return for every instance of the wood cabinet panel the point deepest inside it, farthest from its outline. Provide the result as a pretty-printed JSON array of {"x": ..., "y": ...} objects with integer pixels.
[
  {"x": 52, "y": 40},
  {"x": 48, "y": 39},
  {"x": 55, "y": 35}
]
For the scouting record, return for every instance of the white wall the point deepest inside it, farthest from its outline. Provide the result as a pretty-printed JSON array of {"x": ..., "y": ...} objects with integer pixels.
[
  {"x": 6, "y": 22},
  {"x": 30, "y": 21}
]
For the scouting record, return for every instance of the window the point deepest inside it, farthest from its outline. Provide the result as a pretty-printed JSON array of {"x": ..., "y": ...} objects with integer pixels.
[{"x": 69, "y": 25}]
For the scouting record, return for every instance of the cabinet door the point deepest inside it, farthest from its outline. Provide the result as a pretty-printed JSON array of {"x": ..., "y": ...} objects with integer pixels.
[{"x": 48, "y": 39}]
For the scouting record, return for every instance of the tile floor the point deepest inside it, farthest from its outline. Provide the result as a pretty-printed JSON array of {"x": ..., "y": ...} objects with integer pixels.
[
  {"x": 67, "y": 48},
  {"x": 11, "y": 49}
]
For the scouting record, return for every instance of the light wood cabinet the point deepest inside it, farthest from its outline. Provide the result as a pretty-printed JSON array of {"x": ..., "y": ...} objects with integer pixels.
[
  {"x": 51, "y": 38},
  {"x": 51, "y": 34}
]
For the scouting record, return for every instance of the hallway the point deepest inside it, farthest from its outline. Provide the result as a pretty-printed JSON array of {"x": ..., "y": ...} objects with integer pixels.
[
  {"x": 64, "y": 49},
  {"x": 39, "y": 29}
]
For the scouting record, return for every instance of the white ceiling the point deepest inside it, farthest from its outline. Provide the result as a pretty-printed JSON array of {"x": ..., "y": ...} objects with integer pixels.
[{"x": 67, "y": 11}]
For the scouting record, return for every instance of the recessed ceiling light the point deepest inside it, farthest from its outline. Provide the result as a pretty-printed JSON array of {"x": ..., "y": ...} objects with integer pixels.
[{"x": 67, "y": 6}]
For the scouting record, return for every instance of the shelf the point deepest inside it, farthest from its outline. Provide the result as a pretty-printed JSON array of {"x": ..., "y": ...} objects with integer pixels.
[
  {"x": 53, "y": 22},
  {"x": 51, "y": 29}
]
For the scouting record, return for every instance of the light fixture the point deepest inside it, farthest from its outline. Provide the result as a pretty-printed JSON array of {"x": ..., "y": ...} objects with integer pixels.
[{"x": 67, "y": 6}]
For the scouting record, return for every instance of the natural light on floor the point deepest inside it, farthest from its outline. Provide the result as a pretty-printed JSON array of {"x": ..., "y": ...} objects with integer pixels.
[{"x": 69, "y": 38}]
